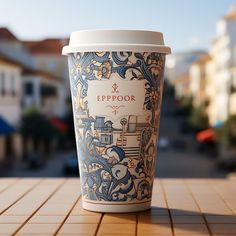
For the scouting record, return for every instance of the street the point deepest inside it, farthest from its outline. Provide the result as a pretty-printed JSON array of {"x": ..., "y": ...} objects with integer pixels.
[
  {"x": 183, "y": 161},
  {"x": 186, "y": 164},
  {"x": 52, "y": 168}
]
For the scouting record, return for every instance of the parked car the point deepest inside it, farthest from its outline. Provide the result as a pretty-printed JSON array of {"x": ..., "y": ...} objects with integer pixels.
[
  {"x": 206, "y": 142},
  {"x": 71, "y": 166},
  {"x": 35, "y": 160},
  {"x": 185, "y": 127},
  {"x": 179, "y": 144}
]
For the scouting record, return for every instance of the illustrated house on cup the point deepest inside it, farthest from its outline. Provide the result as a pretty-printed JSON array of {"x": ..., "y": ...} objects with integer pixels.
[
  {"x": 127, "y": 137},
  {"x": 105, "y": 129}
]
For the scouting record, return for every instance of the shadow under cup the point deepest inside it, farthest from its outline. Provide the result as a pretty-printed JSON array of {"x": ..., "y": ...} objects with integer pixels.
[{"x": 116, "y": 98}]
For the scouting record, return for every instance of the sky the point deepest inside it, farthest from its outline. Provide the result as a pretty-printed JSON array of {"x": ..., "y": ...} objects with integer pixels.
[{"x": 186, "y": 24}]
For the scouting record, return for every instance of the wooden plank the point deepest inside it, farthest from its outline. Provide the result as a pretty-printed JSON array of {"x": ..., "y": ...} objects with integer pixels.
[
  {"x": 119, "y": 218},
  {"x": 154, "y": 229},
  {"x": 35, "y": 219},
  {"x": 116, "y": 229},
  {"x": 188, "y": 219},
  {"x": 190, "y": 229},
  {"x": 223, "y": 229},
  {"x": 8, "y": 229},
  {"x": 208, "y": 200},
  {"x": 180, "y": 200},
  {"x": 227, "y": 191},
  {"x": 95, "y": 219},
  {"x": 153, "y": 219},
  {"x": 5, "y": 219},
  {"x": 230, "y": 219},
  {"x": 46, "y": 229},
  {"x": 62, "y": 201},
  {"x": 16, "y": 192},
  {"x": 7, "y": 183},
  {"x": 33, "y": 199},
  {"x": 158, "y": 197},
  {"x": 78, "y": 210},
  {"x": 78, "y": 229}
]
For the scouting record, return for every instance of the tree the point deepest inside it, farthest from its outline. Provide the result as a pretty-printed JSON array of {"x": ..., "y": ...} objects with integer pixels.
[
  {"x": 185, "y": 106},
  {"x": 36, "y": 126},
  {"x": 198, "y": 119},
  {"x": 227, "y": 132}
]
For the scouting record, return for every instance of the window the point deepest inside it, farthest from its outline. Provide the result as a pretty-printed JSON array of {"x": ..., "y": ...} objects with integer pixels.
[
  {"x": 13, "y": 88},
  {"x": 28, "y": 88},
  {"x": 47, "y": 90},
  {"x": 2, "y": 83}
]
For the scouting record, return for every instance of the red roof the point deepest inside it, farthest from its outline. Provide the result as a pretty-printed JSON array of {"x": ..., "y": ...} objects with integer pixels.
[
  {"x": 47, "y": 46},
  {"x": 6, "y": 34}
]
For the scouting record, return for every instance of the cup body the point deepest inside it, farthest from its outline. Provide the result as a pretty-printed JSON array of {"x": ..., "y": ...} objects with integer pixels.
[{"x": 117, "y": 97}]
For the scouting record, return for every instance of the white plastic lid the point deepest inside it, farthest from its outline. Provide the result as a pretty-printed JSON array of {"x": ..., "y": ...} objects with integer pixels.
[{"x": 116, "y": 40}]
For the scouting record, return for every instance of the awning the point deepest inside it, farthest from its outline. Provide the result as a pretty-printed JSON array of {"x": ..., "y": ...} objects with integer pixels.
[
  {"x": 206, "y": 135},
  {"x": 5, "y": 128},
  {"x": 218, "y": 124},
  {"x": 59, "y": 124}
]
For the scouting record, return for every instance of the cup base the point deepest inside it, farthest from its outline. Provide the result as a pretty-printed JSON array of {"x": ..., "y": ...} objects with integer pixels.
[{"x": 116, "y": 208}]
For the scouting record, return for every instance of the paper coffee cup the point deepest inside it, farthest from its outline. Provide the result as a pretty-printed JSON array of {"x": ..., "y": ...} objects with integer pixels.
[{"x": 116, "y": 79}]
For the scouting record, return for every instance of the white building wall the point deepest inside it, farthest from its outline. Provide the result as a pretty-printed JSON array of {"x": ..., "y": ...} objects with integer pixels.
[
  {"x": 50, "y": 106},
  {"x": 222, "y": 53},
  {"x": 10, "y": 101},
  {"x": 54, "y": 106},
  {"x": 179, "y": 63},
  {"x": 210, "y": 88},
  {"x": 195, "y": 75}
]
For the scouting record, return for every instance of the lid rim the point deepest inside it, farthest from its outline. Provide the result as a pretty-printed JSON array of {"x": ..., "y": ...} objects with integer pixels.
[{"x": 116, "y": 47}]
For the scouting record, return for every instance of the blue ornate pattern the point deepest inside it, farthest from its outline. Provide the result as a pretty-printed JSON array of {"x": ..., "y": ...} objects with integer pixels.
[{"x": 111, "y": 170}]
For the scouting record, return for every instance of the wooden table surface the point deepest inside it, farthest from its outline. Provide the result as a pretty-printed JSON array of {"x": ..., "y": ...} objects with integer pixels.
[{"x": 179, "y": 207}]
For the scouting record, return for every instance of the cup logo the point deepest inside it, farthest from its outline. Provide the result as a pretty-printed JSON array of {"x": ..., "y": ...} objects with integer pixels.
[
  {"x": 115, "y": 88},
  {"x": 115, "y": 97}
]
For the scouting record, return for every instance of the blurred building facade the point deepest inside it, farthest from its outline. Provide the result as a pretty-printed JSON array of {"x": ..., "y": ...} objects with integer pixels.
[
  {"x": 42, "y": 92},
  {"x": 210, "y": 78},
  {"x": 178, "y": 64},
  {"x": 233, "y": 89},
  {"x": 199, "y": 77},
  {"x": 47, "y": 57},
  {"x": 10, "y": 89},
  {"x": 32, "y": 75},
  {"x": 223, "y": 55},
  {"x": 182, "y": 86},
  {"x": 10, "y": 107}
]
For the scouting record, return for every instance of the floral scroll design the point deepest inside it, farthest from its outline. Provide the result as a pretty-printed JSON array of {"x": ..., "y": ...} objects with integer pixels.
[{"x": 106, "y": 173}]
